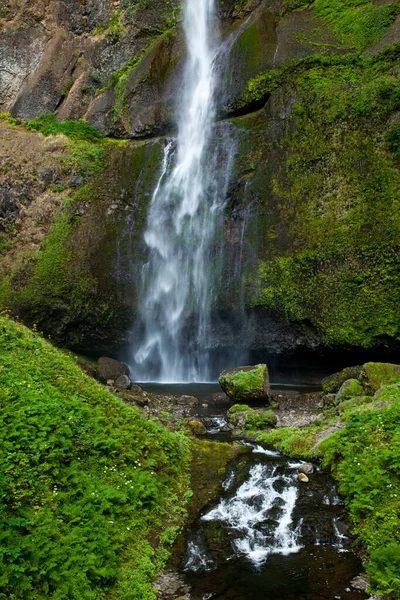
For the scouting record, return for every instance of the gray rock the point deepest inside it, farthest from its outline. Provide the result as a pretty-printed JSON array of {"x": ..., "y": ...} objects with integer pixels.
[
  {"x": 136, "y": 389},
  {"x": 109, "y": 368},
  {"x": 188, "y": 401},
  {"x": 123, "y": 382},
  {"x": 306, "y": 468},
  {"x": 361, "y": 582}
]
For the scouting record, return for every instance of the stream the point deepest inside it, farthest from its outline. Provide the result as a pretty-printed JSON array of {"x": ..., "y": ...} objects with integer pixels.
[{"x": 269, "y": 536}]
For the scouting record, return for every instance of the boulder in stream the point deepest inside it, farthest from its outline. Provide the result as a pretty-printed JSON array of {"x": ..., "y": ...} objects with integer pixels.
[
  {"x": 246, "y": 383},
  {"x": 306, "y": 469}
]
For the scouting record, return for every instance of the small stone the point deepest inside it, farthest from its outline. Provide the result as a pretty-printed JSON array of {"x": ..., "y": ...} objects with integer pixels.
[
  {"x": 136, "y": 389},
  {"x": 110, "y": 381},
  {"x": 197, "y": 427},
  {"x": 306, "y": 468},
  {"x": 361, "y": 582},
  {"x": 205, "y": 405},
  {"x": 188, "y": 401},
  {"x": 123, "y": 382},
  {"x": 303, "y": 478}
]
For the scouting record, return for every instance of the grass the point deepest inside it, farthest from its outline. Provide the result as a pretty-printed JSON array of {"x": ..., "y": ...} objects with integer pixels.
[
  {"x": 84, "y": 481},
  {"x": 76, "y": 130}
]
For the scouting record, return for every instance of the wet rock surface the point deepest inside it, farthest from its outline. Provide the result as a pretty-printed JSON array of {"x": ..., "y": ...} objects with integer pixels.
[{"x": 109, "y": 368}]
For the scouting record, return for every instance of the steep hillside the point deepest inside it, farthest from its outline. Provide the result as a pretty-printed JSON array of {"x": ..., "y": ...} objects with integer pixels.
[{"x": 91, "y": 493}]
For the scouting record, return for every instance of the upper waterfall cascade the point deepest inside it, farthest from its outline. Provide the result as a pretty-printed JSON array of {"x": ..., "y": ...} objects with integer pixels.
[{"x": 184, "y": 218}]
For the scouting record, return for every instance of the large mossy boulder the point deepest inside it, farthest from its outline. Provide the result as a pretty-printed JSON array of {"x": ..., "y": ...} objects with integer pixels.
[
  {"x": 333, "y": 383},
  {"x": 351, "y": 388},
  {"x": 246, "y": 383},
  {"x": 376, "y": 374}
]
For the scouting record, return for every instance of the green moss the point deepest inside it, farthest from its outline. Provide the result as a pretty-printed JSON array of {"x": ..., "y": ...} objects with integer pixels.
[
  {"x": 238, "y": 408},
  {"x": 332, "y": 383},
  {"x": 351, "y": 388},
  {"x": 84, "y": 481},
  {"x": 242, "y": 385},
  {"x": 379, "y": 374},
  {"x": 260, "y": 419},
  {"x": 76, "y": 130},
  {"x": 293, "y": 441},
  {"x": 359, "y": 23},
  {"x": 334, "y": 261},
  {"x": 115, "y": 27},
  {"x": 364, "y": 457}
]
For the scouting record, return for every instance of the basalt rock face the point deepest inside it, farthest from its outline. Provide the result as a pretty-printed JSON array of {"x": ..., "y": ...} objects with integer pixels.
[{"x": 311, "y": 252}]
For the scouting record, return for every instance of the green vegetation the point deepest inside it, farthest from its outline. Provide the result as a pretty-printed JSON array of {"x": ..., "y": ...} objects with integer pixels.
[
  {"x": 115, "y": 27},
  {"x": 293, "y": 441},
  {"x": 251, "y": 419},
  {"x": 359, "y": 23},
  {"x": 363, "y": 453},
  {"x": 337, "y": 264},
  {"x": 84, "y": 480},
  {"x": 365, "y": 459},
  {"x": 244, "y": 385},
  {"x": 76, "y": 130}
]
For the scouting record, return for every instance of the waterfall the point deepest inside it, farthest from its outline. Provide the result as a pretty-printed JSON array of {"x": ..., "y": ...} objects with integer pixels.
[{"x": 184, "y": 217}]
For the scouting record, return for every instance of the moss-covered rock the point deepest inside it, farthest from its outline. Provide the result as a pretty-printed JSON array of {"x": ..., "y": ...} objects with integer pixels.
[
  {"x": 246, "y": 418},
  {"x": 246, "y": 383},
  {"x": 332, "y": 383},
  {"x": 196, "y": 427},
  {"x": 351, "y": 388},
  {"x": 377, "y": 375}
]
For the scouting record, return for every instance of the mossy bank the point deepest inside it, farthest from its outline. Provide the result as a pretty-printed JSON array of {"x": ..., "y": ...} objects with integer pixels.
[{"x": 92, "y": 493}]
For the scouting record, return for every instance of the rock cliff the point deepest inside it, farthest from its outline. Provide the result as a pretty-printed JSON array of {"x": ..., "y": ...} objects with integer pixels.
[{"x": 310, "y": 96}]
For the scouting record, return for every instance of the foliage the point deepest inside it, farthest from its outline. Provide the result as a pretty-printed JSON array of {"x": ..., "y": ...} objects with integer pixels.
[
  {"x": 76, "y": 130},
  {"x": 384, "y": 568},
  {"x": 83, "y": 480},
  {"x": 238, "y": 408},
  {"x": 365, "y": 459},
  {"x": 293, "y": 441},
  {"x": 115, "y": 27},
  {"x": 260, "y": 419},
  {"x": 359, "y": 23}
]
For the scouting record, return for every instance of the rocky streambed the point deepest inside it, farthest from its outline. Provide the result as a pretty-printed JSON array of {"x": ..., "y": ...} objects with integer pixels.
[{"x": 256, "y": 530}]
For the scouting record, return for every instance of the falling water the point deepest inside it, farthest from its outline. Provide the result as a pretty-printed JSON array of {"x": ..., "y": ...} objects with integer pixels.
[{"x": 185, "y": 214}]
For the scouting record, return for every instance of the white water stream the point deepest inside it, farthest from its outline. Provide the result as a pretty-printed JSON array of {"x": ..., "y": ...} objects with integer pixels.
[
  {"x": 185, "y": 214},
  {"x": 251, "y": 506}
]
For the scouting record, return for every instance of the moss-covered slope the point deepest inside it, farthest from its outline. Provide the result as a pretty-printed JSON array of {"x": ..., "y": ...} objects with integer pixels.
[{"x": 85, "y": 481}]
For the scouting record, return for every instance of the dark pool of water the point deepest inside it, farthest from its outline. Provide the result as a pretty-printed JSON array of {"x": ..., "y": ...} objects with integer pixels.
[{"x": 208, "y": 392}]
